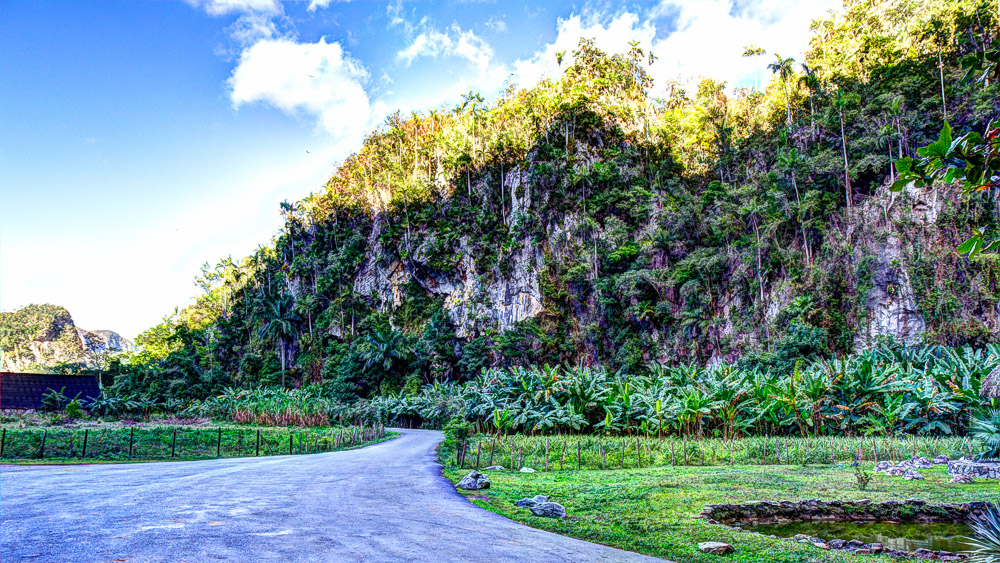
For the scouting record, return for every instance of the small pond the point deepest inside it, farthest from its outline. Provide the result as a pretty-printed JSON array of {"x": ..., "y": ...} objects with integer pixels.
[{"x": 906, "y": 536}]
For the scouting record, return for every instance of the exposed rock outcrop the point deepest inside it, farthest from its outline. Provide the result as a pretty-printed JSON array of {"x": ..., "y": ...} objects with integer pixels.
[{"x": 38, "y": 337}]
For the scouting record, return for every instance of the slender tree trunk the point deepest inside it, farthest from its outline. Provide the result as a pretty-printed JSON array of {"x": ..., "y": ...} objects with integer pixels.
[
  {"x": 812, "y": 119},
  {"x": 281, "y": 351},
  {"x": 805, "y": 240},
  {"x": 847, "y": 173},
  {"x": 944, "y": 105}
]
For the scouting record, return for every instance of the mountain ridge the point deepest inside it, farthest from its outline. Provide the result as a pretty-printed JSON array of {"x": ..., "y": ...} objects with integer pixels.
[{"x": 44, "y": 337}]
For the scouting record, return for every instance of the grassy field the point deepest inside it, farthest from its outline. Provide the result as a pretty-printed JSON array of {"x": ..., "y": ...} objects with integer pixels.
[
  {"x": 624, "y": 452},
  {"x": 92, "y": 442},
  {"x": 653, "y": 510}
]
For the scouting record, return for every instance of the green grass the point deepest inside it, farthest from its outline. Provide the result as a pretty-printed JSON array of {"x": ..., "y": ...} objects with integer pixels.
[
  {"x": 653, "y": 511},
  {"x": 109, "y": 442},
  {"x": 607, "y": 452}
]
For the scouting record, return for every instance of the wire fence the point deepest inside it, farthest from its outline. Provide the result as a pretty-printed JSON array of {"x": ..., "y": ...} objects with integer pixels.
[
  {"x": 167, "y": 442},
  {"x": 553, "y": 453}
]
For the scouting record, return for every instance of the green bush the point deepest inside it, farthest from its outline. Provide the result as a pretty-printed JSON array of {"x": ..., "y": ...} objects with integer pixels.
[{"x": 74, "y": 409}]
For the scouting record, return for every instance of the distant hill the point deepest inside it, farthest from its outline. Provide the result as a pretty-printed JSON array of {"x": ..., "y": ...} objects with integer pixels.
[{"x": 40, "y": 337}]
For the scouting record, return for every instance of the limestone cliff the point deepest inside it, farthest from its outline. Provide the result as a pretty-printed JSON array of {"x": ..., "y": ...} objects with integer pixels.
[{"x": 40, "y": 337}]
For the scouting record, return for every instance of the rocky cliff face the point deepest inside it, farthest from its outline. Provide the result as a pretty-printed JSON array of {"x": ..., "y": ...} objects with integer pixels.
[
  {"x": 879, "y": 268},
  {"x": 39, "y": 337}
]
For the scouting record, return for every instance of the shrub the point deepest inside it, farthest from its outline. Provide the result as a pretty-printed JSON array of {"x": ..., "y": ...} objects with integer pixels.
[
  {"x": 54, "y": 400},
  {"x": 862, "y": 477},
  {"x": 74, "y": 409},
  {"x": 456, "y": 431}
]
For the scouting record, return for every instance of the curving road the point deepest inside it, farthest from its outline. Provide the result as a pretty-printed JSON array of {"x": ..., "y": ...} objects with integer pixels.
[{"x": 386, "y": 502}]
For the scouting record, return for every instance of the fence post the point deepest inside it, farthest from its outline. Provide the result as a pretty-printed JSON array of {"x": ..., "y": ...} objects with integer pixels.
[
  {"x": 41, "y": 452},
  {"x": 289, "y": 443},
  {"x": 86, "y": 433},
  {"x": 493, "y": 448},
  {"x": 513, "y": 462},
  {"x": 218, "y": 444},
  {"x": 258, "y": 442},
  {"x": 173, "y": 443},
  {"x": 479, "y": 450},
  {"x": 131, "y": 440},
  {"x": 3, "y": 441}
]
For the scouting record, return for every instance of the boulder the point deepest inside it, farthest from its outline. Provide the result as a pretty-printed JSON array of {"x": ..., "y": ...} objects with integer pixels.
[
  {"x": 527, "y": 470},
  {"x": 912, "y": 475},
  {"x": 941, "y": 460},
  {"x": 883, "y": 466},
  {"x": 494, "y": 468},
  {"x": 897, "y": 471},
  {"x": 921, "y": 462},
  {"x": 715, "y": 547},
  {"x": 963, "y": 479},
  {"x": 529, "y": 502},
  {"x": 549, "y": 510},
  {"x": 474, "y": 481},
  {"x": 836, "y": 544}
]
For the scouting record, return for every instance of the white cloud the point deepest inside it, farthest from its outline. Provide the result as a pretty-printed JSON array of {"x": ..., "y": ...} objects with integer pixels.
[
  {"x": 612, "y": 36},
  {"x": 496, "y": 25},
  {"x": 707, "y": 39},
  {"x": 225, "y": 7},
  {"x": 318, "y": 79},
  {"x": 453, "y": 42},
  {"x": 251, "y": 28},
  {"x": 317, "y": 5},
  {"x": 711, "y": 35}
]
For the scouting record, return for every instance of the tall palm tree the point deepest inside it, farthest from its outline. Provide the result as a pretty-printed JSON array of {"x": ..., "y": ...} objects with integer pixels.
[
  {"x": 753, "y": 51},
  {"x": 789, "y": 160},
  {"x": 841, "y": 102},
  {"x": 810, "y": 79},
  {"x": 279, "y": 326},
  {"x": 784, "y": 69},
  {"x": 385, "y": 350}
]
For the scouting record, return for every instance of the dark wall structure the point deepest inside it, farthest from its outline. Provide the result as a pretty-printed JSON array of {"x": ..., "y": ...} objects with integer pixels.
[{"x": 25, "y": 390}]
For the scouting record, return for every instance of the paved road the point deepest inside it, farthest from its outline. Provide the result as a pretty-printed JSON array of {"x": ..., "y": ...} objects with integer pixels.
[{"x": 381, "y": 503}]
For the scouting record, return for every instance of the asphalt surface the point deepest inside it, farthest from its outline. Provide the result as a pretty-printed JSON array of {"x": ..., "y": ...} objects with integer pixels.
[{"x": 386, "y": 502}]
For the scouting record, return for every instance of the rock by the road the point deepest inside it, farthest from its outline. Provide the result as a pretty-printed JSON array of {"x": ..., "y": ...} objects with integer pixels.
[
  {"x": 527, "y": 470},
  {"x": 530, "y": 502},
  {"x": 474, "y": 481},
  {"x": 715, "y": 547},
  {"x": 549, "y": 510}
]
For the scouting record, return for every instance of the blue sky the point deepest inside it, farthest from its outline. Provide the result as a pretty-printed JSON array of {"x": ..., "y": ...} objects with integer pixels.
[{"x": 142, "y": 139}]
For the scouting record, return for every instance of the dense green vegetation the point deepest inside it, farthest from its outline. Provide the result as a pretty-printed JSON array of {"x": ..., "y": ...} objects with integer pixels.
[
  {"x": 931, "y": 390},
  {"x": 653, "y": 511},
  {"x": 639, "y": 230}
]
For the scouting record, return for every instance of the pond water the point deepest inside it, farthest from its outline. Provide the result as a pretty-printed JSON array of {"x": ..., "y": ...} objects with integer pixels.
[{"x": 902, "y": 536}]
